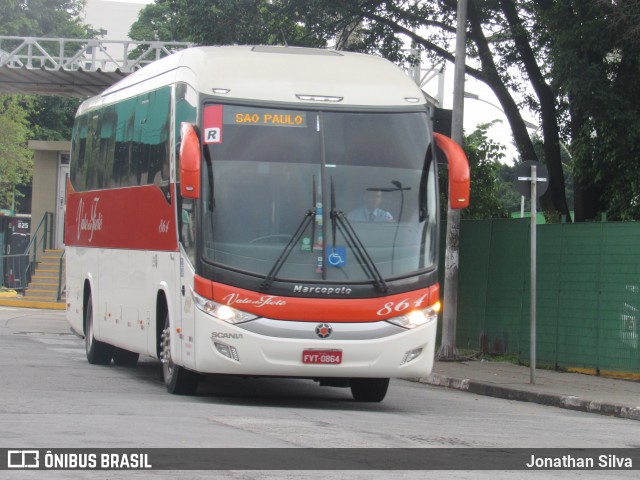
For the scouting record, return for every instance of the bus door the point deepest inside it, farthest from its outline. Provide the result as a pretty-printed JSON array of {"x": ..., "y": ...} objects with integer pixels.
[{"x": 186, "y": 319}]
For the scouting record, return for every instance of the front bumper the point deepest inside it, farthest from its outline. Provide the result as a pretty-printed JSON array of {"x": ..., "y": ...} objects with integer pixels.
[{"x": 275, "y": 348}]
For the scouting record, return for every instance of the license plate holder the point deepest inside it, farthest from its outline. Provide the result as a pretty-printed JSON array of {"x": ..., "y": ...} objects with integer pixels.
[{"x": 316, "y": 356}]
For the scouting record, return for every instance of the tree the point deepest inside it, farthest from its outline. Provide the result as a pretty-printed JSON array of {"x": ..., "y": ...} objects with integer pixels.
[
  {"x": 574, "y": 62},
  {"x": 484, "y": 157},
  {"x": 505, "y": 177},
  {"x": 220, "y": 22},
  {"x": 552, "y": 56},
  {"x": 34, "y": 117},
  {"x": 15, "y": 158},
  {"x": 44, "y": 18},
  {"x": 498, "y": 38},
  {"x": 595, "y": 53},
  {"x": 51, "y": 118}
]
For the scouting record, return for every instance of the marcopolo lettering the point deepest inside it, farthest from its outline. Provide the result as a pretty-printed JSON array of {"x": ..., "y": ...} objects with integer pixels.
[{"x": 322, "y": 290}]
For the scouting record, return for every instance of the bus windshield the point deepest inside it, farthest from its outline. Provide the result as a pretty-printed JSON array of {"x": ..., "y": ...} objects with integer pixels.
[{"x": 318, "y": 195}]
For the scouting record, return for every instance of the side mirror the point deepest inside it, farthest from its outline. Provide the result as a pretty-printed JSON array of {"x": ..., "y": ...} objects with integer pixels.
[
  {"x": 459, "y": 178},
  {"x": 190, "y": 158}
]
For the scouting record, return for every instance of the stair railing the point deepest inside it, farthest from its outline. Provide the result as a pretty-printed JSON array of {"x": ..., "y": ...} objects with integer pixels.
[
  {"x": 61, "y": 278},
  {"x": 41, "y": 239}
]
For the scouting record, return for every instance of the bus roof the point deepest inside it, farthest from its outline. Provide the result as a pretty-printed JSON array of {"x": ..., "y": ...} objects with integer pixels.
[{"x": 283, "y": 74}]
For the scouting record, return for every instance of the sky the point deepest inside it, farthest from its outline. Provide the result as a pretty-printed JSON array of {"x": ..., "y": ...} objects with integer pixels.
[
  {"x": 485, "y": 110},
  {"x": 115, "y": 16}
]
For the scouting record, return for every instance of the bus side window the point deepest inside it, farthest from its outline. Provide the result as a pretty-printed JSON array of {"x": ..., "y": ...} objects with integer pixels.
[
  {"x": 158, "y": 125},
  {"x": 78, "y": 154},
  {"x": 124, "y": 138}
]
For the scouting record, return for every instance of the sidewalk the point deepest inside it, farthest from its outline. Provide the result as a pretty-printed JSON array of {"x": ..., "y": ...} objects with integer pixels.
[{"x": 574, "y": 391}]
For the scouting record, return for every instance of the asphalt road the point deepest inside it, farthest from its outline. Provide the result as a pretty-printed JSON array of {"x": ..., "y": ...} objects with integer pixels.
[{"x": 52, "y": 398}]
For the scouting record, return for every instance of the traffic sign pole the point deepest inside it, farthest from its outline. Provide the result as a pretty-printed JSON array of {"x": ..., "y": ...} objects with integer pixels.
[
  {"x": 534, "y": 214},
  {"x": 527, "y": 181}
]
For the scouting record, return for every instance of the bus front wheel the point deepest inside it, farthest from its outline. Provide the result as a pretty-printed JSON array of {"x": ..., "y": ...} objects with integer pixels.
[
  {"x": 177, "y": 379},
  {"x": 98, "y": 353},
  {"x": 369, "y": 389}
]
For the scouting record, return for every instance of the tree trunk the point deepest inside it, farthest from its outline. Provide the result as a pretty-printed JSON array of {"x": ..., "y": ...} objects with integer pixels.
[{"x": 555, "y": 198}]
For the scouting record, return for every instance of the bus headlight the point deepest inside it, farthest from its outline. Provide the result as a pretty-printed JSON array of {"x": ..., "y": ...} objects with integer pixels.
[
  {"x": 416, "y": 318},
  {"x": 221, "y": 312}
]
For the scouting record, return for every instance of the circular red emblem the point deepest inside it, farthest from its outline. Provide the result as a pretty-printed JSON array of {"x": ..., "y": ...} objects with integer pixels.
[{"x": 324, "y": 330}]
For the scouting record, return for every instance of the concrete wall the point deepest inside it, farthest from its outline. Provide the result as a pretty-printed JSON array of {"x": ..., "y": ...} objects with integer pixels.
[{"x": 45, "y": 179}]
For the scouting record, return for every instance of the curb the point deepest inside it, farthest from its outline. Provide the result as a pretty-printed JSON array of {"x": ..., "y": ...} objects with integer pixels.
[
  {"x": 569, "y": 402},
  {"x": 19, "y": 302}
]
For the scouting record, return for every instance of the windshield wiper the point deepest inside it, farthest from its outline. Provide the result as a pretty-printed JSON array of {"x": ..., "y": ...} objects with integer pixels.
[
  {"x": 282, "y": 258},
  {"x": 340, "y": 222}
]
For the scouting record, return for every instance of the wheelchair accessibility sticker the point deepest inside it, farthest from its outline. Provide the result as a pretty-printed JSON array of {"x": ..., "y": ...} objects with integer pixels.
[{"x": 336, "y": 257}]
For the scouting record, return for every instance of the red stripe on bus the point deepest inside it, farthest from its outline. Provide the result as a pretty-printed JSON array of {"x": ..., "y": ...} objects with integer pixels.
[
  {"x": 317, "y": 309},
  {"x": 136, "y": 218}
]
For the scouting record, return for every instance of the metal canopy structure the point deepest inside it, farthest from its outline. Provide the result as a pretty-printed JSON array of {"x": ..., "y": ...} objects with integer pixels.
[{"x": 73, "y": 67}]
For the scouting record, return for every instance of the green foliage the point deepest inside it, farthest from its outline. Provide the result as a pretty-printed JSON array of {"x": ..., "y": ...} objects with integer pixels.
[
  {"x": 220, "y": 22},
  {"x": 576, "y": 63},
  {"x": 484, "y": 157},
  {"x": 42, "y": 18},
  {"x": 23, "y": 118},
  {"x": 505, "y": 178},
  {"x": 595, "y": 56},
  {"x": 51, "y": 118},
  {"x": 16, "y": 162}
]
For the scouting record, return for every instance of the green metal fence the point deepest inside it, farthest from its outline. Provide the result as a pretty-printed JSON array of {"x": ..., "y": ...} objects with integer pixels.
[{"x": 588, "y": 290}]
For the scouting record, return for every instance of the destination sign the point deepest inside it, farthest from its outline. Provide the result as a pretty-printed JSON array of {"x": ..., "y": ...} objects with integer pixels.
[{"x": 264, "y": 117}]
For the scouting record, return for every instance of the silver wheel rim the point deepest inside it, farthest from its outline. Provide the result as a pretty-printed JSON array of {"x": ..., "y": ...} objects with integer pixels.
[
  {"x": 89, "y": 334},
  {"x": 165, "y": 353}
]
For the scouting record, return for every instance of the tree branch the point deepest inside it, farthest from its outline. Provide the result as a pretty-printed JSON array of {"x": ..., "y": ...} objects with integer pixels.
[
  {"x": 441, "y": 52},
  {"x": 550, "y": 130}
]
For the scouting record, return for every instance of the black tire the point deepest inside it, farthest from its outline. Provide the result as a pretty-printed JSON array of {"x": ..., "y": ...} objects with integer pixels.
[
  {"x": 178, "y": 380},
  {"x": 98, "y": 353},
  {"x": 369, "y": 389},
  {"x": 125, "y": 358}
]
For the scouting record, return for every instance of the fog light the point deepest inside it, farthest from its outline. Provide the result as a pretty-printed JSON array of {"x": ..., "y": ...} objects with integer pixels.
[
  {"x": 227, "y": 350},
  {"x": 411, "y": 355}
]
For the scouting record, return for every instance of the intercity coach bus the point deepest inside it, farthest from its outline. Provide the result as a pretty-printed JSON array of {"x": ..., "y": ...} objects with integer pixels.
[{"x": 259, "y": 211}]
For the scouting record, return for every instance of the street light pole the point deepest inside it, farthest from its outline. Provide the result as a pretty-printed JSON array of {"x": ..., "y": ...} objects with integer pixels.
[{"x": 448, "y": 346}]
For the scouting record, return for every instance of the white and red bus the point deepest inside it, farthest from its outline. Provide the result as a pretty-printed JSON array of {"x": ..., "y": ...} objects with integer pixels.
[{"x": 259, "y": 211}]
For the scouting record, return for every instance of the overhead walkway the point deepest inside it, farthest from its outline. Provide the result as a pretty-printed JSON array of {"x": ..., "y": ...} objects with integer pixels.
[{"x": 73, "y": 67}]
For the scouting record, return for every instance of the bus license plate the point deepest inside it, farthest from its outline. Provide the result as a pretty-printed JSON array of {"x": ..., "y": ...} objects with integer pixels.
[{"x": 322, "y": 357}]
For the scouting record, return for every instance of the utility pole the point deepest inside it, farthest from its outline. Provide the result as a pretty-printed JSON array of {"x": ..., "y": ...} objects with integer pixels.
[{"x": 450, "y": 308}]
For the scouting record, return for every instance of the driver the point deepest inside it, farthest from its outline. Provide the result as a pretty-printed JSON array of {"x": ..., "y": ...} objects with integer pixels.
[{"x": 370, "y": 211}]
